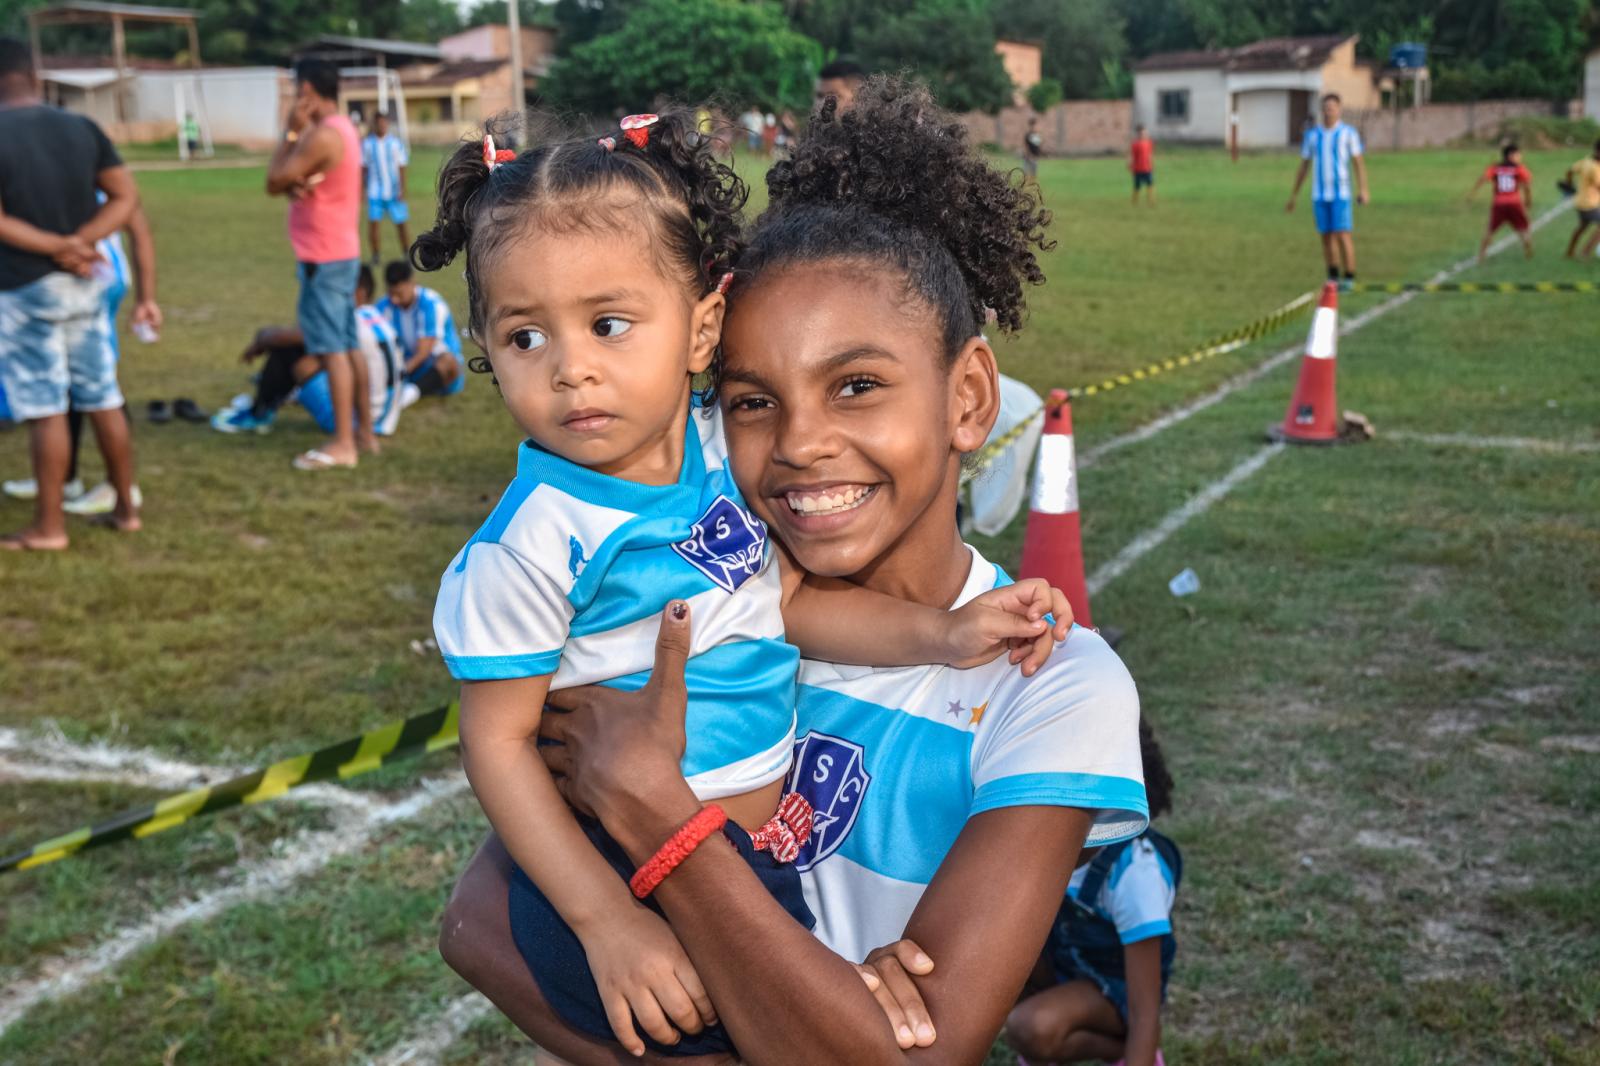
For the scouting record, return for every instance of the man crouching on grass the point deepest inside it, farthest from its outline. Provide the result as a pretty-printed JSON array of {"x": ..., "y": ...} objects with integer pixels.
[{"x": 53, "y": 343}]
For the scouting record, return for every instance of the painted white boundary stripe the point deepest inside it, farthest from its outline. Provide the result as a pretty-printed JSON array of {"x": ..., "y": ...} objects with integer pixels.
[
  {"x": 1157, "y": 534},
  {"x": 1467, "y": 440},
  {"x": 424, "y": 1048},
  {"x": 1175, "y": 520},
  {"x": 299, "y": 856},
  {"x": 139, "y": 764},
  {"x": 1260, "y": 370}
]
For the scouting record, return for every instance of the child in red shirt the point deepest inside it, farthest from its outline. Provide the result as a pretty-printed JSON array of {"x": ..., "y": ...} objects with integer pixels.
[
  {"x": 1141, "y": 160},
  {"x": 1513, "y": 198}
]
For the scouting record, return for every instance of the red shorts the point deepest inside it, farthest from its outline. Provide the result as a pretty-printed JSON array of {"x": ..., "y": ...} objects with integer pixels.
[{"x": 1513, "y": 215}]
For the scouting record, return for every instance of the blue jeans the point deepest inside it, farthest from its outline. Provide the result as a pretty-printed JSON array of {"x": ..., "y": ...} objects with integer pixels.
[{"x": 327, "y": 307}]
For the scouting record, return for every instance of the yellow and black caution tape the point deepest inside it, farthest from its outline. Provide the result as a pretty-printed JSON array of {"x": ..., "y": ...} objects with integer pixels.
[
  {"x": 1231, "y": 341},
  {"x": 418, "y": 735},
  {"x": 1475, "y": 286}
]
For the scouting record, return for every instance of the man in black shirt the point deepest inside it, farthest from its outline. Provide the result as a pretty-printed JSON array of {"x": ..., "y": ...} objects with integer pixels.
[{"x": 53, "y": 342}]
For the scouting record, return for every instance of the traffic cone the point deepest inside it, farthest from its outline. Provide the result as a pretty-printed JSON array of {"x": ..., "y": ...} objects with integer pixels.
[
  {"x": 1052, "y": 547},
  {"x": 1313, "y": 416}
]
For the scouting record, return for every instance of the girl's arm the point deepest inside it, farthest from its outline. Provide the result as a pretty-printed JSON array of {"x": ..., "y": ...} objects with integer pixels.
[
  {"x": 786, "y": 998},
  {"x": 637, "y": 963},
  {"x": 1142, "y": 960}
]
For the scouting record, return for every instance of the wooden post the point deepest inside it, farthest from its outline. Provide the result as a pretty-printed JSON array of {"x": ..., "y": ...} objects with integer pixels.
[
  {"x": 33, "y": 41},
  {"x": 194, "y": 44},
  {"x": 514, "y": 24},
  {"x": 119, "y": 49}
]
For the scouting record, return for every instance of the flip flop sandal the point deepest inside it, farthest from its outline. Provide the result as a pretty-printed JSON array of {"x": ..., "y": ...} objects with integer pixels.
[
  {"x": 158, "y": 411},
  {"x": 16, "y": 543},
  {"x": 189, "y": 411},
  {"x": 317, "y": 459}
]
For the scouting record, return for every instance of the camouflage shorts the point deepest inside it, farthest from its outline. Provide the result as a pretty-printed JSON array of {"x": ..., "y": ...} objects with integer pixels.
[{"x": 55, "y": 346}]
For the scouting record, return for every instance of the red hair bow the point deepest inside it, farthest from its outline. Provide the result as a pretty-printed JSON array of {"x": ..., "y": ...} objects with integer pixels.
[
  {"x": 493, "y": 158},
  {"x": 637, "y": 129}
]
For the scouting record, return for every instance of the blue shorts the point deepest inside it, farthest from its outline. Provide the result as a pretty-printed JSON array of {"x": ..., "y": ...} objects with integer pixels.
[
  {"x": 56, "y": 349},
  {"x": 397, "y": 210},
  {"x": 1333, "y": 216},
  {"x": 421, "y": 379},
  {"x": 326, "y": 310},
  {"x": 555, "y": 955},
  {"x": 1141, "y": 178},
  {"x": 1071, "y": 964}
]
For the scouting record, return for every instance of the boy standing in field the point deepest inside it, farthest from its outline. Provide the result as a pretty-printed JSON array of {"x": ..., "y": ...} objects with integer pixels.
[
  {"x": 1584, "y": 175},
  {"x": 1032, "y": 149},
  {"x": 1334, "y": 147},
  {"x": 383, "y": 169},
  {"x": 1142, "y": 162},
  {"x": 1513, "y": 198}
]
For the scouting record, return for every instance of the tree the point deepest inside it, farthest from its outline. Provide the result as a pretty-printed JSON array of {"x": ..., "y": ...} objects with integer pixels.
[
  {"x": 1044, "y": 94},
  {"x": 1080, "y": 37},
  {"x": 742, "y": 51},
  {"x": 947, "y": 44}
]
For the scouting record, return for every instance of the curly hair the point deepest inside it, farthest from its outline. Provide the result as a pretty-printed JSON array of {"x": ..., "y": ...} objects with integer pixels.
[
  {"x": 894, "y": 180},
  {"x": 567, "y": 182},
  {"x": 1157, "y": 781}
]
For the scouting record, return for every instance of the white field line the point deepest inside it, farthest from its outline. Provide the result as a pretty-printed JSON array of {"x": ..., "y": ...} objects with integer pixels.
[
  {"x": 1157, "y": 534},
  {"x": 1181, "y": 414},
  {"x": 298, "y": 857},
  {"x": 425, "y": 1046},
  {"x": 52, "y": 757},
  {"x": 1468, "y": 440},
  {"x": 140, "y": 764},
  {"x": 1176, "y": 519}
]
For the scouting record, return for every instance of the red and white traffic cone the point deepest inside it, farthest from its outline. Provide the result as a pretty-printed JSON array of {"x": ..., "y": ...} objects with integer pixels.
[
  {"x": 1053, "y": 547},
  {"x": 1313, "y": 415}
]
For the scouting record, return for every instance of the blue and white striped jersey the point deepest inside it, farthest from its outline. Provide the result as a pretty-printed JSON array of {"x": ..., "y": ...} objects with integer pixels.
[
  {"x": 1330, "y": 149},
  {"x": 569, "y": 576},
  {"x": 896, "y": 760},
  {"x": 1138, "y": 894},
  {"x": 382, "y": 158},
  {"x": 428, "y": 316},
  {"x": 385, "y": 367}
]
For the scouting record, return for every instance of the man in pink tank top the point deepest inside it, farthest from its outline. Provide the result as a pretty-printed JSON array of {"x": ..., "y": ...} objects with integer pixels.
[{"x": 318, "y": 167}]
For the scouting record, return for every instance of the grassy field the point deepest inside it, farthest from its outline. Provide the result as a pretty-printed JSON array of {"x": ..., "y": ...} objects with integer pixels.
[{"x": 1382, "y": 709}]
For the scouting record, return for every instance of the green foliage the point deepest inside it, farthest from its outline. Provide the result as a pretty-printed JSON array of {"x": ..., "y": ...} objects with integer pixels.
[
  {"x": 493, "y": 12},
  {"x": 741, "y": 52},
  {"x": 1044, "y": 94},
  {"x": 1079, "y": 38},
  {"x": 949, "y": 45}
]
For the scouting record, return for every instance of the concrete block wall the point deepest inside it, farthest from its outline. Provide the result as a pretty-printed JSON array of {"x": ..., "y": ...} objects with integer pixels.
[
  {"x": 1437, "y": 125},
  {"x": 1072, "y": 127}
]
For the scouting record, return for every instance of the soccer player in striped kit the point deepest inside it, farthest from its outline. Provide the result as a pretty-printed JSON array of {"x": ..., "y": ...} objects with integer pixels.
[
  {"x": 1335, "y": 148},
  {"x": 383, "y": 175}
]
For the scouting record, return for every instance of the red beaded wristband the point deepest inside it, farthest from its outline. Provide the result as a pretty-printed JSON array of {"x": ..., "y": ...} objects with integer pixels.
[{"x": 679, "y": 846}]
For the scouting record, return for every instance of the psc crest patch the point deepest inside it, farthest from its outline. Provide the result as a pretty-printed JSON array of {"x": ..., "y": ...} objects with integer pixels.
[
  {"x": 831, "y": 774},
  {"x": 726, "y": 544}
]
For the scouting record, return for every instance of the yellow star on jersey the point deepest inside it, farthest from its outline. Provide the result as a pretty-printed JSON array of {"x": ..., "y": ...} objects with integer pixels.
[{"x": 977, "y": 713}]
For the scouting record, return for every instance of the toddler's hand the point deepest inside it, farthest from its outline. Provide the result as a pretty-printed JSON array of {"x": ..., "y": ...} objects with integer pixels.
[
  {"x": 1010, "y": 619},
  {"x": 643, "y": 973}
]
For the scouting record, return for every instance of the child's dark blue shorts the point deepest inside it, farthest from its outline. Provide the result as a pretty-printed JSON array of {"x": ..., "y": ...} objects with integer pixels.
[
  {"x": 555, "y": 955},
  {"x": 1106, "y": 973}
]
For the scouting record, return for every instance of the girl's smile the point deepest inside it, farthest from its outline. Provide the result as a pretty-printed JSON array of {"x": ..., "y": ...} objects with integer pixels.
[{"x": 846, "y": 423}]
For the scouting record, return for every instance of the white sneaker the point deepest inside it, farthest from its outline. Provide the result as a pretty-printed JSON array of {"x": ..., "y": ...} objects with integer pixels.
[
  {"x": 409, "y": 394},
  {"x": 25, "y": 488},
  {"x": 102, "y": 499}
]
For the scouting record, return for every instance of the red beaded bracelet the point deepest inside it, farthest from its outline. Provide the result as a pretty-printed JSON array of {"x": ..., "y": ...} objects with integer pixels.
[{"x": 679, "y": 846}]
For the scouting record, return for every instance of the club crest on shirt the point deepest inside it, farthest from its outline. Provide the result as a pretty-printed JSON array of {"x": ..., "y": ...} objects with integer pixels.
[
  {"x": 726, "y": 544},
  {"x": 831, "y": 774}
]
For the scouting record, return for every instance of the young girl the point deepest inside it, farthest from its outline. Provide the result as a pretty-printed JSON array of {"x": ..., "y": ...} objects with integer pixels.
[
  {"x": 595, "y": 274},
  {"x": 1111, "y": 949}
]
